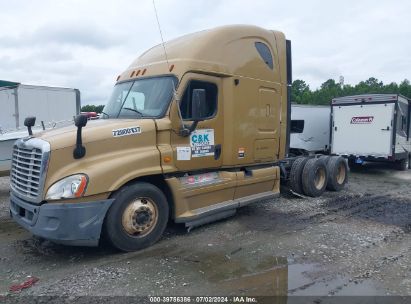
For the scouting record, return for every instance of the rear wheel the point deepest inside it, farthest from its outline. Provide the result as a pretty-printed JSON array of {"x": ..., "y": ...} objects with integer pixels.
[
  {"x": 137, "y": 218},
  {"x": 326, "y": 158},
  {"x": 314, "y": 177},
  {"x": 337, "y": 173},
  {"x": 296, "y": 171}
]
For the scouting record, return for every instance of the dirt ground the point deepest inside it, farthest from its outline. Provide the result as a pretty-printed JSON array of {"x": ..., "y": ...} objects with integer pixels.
[{"x": 355, "y": 242}]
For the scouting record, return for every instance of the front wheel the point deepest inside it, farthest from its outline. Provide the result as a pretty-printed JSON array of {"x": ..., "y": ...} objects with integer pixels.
[{"x": 137, "y": 218}]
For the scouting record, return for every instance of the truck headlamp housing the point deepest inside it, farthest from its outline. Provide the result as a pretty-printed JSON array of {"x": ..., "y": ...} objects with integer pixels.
[{"x": 69, "y": 187}]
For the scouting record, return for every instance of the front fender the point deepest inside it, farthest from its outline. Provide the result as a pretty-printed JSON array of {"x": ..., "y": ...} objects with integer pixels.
[{"x": 107, "y": 172}]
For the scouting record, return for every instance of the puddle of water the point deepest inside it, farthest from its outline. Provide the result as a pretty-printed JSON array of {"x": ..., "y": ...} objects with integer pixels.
[
  {"x": 244, "y": 273},
  {"x": 258, "y": 277},
  {"x": 338, "y": 286}
]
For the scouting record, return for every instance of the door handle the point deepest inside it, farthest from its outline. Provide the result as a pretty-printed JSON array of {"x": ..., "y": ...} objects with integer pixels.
[
  {"x": 387, "y": 129},
  {"x": 217, "y": 151}
]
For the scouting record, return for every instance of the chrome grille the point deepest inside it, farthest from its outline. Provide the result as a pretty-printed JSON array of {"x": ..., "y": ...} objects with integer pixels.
[{"x": 29, "y": 161}]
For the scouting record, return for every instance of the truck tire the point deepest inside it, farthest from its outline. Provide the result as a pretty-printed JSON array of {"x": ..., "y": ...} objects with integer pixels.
[
  {"x": 137, "y": 217},
  {"x": 337, "y": 173},
  {"x": 314, "y": 177},
  {"x": 296, "y": 172},
  {"x": 326, "y": 158},
  {"x": 403, "y": 164}
]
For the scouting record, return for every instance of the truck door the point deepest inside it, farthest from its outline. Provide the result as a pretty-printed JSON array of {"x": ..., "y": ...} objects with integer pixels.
[
  {"x": 363, "y": 130},
  {"x": 203, "y": 147}
]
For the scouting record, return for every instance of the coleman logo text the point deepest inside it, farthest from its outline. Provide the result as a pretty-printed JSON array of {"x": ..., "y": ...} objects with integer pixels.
[
  {"x": 126, "y": 131},
  {"x": 362, "y": 120}
]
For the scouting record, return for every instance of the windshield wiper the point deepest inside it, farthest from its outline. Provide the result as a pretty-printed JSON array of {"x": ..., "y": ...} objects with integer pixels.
[
  {"x": 134, "y": 110},
  {"x": 108, "y": 116}
]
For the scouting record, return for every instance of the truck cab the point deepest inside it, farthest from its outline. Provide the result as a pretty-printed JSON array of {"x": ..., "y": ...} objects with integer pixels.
[{"x": 189, "y": 135}]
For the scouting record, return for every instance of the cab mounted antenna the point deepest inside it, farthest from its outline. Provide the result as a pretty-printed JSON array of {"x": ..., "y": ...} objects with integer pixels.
[
  {"x": 161, "y": 35},
  {"x": 183, "y": 129}
]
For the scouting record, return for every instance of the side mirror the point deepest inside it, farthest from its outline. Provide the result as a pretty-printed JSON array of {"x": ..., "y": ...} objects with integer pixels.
[
  {"x": 79, "y": 151},
  {"x": 80, "y": 121},
  {"x": 29, "y": 122},
  {"x": 198, "y": 105}
]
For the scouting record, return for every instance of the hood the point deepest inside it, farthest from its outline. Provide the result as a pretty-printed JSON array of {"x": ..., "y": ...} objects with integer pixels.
[{"x": 95, "y": 130}]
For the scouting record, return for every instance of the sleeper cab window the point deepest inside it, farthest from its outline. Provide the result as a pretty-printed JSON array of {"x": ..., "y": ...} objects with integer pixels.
[
  {"x": 265, "y": 54},
  {"x": 210, "y": 96}
]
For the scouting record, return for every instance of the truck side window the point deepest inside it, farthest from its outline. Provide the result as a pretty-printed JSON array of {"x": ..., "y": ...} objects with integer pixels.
[
  {"x": 297, "y": 126},
  {"x": 211, "y": 98},
  {"x": 265, "y": 54}
]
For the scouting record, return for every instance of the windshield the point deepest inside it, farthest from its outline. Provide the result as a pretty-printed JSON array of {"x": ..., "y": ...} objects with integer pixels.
[{"x": 140, "y": 98}]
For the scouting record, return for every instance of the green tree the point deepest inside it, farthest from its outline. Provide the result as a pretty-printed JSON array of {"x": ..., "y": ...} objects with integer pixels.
[
  {"x": 405, "y": 88},
  {"x": 301, "y": 93},
  {"x": 92, "y": 108}
]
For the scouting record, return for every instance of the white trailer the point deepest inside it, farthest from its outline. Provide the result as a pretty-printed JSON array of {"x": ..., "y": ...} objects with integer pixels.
[
  {"x": 52, "y": 107},
  {"x": 310, "y": 129},
  {"x": 47, "y": 104},
  {"x": 372, "y": 127}
]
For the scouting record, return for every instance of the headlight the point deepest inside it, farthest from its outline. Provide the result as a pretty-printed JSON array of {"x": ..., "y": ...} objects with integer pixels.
[{"x": 68, "y": 187}]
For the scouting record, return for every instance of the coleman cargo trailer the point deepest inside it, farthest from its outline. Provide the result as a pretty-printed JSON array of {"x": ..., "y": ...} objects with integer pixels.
[{"x": 372, "y": 127}]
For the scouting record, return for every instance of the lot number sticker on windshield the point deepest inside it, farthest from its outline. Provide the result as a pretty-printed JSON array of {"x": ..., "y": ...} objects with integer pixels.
[{"x": 202, "y": 143}]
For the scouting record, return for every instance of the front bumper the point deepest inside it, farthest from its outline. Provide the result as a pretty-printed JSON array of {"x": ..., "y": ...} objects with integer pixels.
[{"x": 77, "y": 224}]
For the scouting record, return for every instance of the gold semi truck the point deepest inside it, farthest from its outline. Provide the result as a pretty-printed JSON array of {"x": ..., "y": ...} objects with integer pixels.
[{"x": 188, "y": 135}]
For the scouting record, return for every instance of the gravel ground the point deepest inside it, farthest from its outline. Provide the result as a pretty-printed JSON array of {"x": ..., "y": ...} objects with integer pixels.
[{"x": 355, "y": 242}]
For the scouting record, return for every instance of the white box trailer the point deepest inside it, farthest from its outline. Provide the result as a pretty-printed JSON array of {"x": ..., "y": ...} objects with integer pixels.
[
  {"x": 47, "y": 104},
  {"x": 310, "y": 129},
  {"x": 51, "y": 105},
  {"x": 372, "y": 127}
]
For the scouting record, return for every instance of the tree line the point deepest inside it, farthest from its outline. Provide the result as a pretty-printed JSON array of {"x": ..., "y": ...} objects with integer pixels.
[
  {"x": 92, "y": 108},
  {"x": 301, "y": 92}
]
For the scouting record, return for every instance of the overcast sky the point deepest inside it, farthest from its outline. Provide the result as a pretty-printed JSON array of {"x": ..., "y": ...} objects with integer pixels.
[{"x": 86, "y": 44}]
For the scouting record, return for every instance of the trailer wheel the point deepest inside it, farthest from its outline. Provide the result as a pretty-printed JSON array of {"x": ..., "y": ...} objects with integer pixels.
[
  {"x": 337, "y": 173},
  {"x": 137, "y": 218},
  {"x": 314, "y": 177},
  {"x": 296, "y": 172},
  {"x": 403, "y": 164}
]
